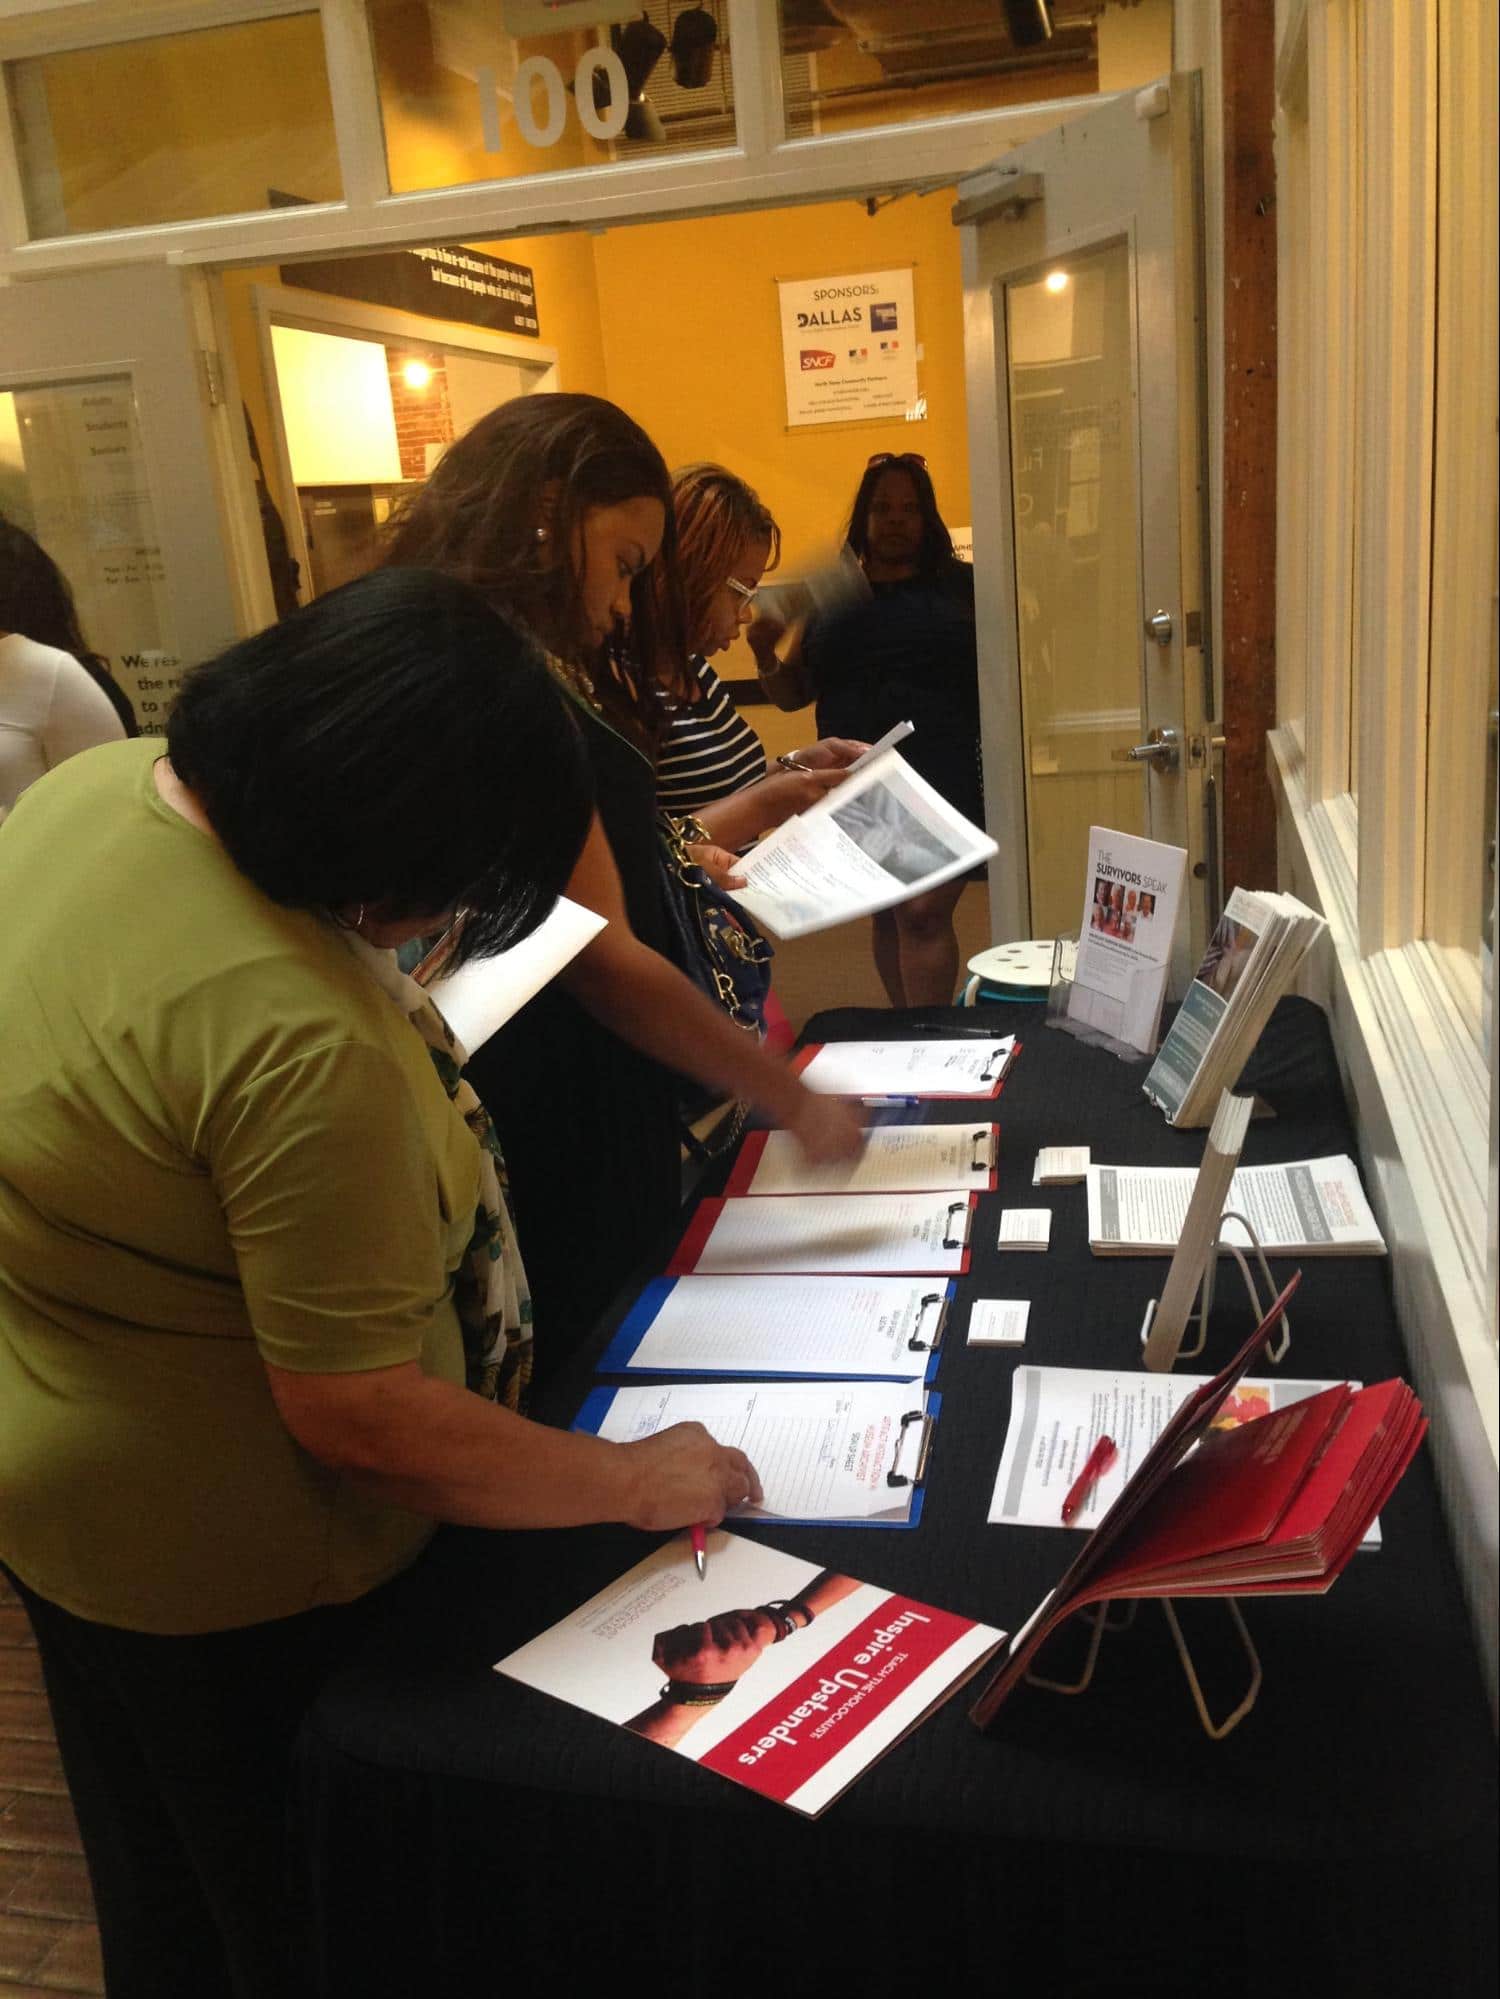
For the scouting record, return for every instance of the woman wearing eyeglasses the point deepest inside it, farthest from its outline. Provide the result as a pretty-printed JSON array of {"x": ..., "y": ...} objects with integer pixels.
[
  {"x": 712, "y": 764},
  {"x": 906, "y": 653}
]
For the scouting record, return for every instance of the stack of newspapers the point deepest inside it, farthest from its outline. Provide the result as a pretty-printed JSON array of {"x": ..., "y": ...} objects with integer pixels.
[{"x": 1250, "y": 962}]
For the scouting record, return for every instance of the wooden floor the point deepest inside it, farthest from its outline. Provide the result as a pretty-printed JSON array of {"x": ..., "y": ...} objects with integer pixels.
[
  {"x": 48, "y": 1944},
  {"x": 835, "y": 968}
]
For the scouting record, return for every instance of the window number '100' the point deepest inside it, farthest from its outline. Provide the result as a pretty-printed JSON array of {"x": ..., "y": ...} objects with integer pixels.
[{"x": 548, "y": 129}]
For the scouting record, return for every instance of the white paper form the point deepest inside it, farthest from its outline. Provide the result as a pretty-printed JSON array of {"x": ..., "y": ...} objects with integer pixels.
[
  {"x": 881, "y": 838},
  {"x": 482, "y": 995},
  {"x": 792, "y": 1325},
  {"x": 897, "y": 1159},
  {"x": 937, "y": 1067},
  {"x": 1313, "y": 1207},
  {"x": 890, "y": 1233},
  {"x": 821, "y": 1450},
  {"x": 1058, "y": 1414}
]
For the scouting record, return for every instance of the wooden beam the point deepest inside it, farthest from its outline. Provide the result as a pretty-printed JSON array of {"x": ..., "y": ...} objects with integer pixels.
[{"x": 1248, "y": 553}]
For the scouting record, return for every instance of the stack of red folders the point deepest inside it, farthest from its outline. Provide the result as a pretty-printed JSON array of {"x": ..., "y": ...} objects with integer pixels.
[{"x": 1274, "y": 1506}]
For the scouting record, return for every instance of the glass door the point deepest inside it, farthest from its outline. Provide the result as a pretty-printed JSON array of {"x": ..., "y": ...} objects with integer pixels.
[
  {"x": 109, "y": 457},
  {"x": 1082, "y": 288}
]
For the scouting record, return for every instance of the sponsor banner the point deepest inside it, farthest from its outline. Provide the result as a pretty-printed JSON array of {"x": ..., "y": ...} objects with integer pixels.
[
  {"x": 849, "y": 348},
  {"x": 789, "y": 1740}
]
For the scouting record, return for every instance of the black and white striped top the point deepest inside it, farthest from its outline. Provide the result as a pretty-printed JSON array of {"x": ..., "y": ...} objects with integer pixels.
[{"x": 709, "y": 750}]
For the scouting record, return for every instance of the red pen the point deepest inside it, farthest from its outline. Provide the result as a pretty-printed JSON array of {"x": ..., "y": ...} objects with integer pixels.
[
  {"x": 1098, "y": 1462},
  {"x": 700, "y": 1549}
]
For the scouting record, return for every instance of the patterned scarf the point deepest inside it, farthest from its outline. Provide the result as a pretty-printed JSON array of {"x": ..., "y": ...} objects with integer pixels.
[{"x": 489, "y": 1286}]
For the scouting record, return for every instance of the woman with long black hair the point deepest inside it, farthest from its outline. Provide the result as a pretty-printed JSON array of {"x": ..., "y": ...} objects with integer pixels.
[{"x": 906, "y": 652}]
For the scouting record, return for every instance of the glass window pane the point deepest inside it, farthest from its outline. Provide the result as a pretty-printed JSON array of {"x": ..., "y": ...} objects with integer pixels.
[
  {"x": 73, "y": 475},
  {"x": 174, "y": 128},
  {"x": 1069, "y": 363},
  {"x": 479, "y": 92},
  {"x": 851, "y": 64}
]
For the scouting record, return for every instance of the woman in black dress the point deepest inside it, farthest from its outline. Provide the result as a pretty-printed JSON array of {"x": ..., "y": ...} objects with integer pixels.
[
  {"x": 557, "y": 507},
  {"x": 903, "y": 653}
]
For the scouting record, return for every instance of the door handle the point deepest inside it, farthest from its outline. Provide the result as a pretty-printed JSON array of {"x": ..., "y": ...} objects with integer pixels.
[{"x": 1161, "y": 748}]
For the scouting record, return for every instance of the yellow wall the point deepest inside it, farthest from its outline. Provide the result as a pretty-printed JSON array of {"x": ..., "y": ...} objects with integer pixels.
[{"x": 692, "y": 345}]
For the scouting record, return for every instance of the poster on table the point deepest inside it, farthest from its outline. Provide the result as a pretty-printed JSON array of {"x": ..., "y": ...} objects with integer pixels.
[{"x": 848, "y": 347}]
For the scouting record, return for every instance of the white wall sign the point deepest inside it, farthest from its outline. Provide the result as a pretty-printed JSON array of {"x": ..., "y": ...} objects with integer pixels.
[{"x": 849, "y": 347}]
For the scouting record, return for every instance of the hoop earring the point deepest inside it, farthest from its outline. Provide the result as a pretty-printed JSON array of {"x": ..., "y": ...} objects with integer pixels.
[{"x": 348, "y": 922}]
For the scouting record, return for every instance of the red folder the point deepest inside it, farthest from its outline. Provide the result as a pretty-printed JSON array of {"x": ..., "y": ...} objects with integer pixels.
[{"x": 1274, "y": 1506}]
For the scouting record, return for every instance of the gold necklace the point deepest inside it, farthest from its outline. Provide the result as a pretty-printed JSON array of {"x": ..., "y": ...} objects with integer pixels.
[{"x": 576, "y": 679}]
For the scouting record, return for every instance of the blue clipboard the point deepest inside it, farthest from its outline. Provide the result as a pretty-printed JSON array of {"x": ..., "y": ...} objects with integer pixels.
[
  {"x": 909, "y": 1466},
  {"x": 642, "y": 1316}
]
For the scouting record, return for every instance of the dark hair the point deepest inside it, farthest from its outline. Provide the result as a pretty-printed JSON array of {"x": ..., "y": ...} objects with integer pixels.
[
  {"x": 935, "y": 557},
  {"x": 395, "y": 743},
  {"x": 35, "y": 601},
  {"x": 717, "y": 515},
  {"x": 477, "y": 518}
]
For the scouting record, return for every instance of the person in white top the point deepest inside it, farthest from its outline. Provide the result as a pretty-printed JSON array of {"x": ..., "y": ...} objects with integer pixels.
[{"x": 53, "y": 698}]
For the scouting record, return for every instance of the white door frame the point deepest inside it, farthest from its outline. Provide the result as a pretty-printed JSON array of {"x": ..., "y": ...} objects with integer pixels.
[
  {"x": 157, "y": 325},
  {"x": 326, "y": 312},
  {"x": 1007, "y": 230}
]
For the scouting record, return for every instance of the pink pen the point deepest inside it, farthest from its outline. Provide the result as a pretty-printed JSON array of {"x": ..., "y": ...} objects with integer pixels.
[{"x": 700, "y": 1550}]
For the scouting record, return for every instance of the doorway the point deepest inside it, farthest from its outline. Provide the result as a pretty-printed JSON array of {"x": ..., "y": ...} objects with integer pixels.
[{"x": 362, "y": 402}]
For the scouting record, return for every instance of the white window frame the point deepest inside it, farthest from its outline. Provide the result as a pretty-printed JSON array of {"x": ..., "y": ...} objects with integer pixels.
[
  {"x": 1355, "y": 541},
  {"x": 763, "y": 169}
]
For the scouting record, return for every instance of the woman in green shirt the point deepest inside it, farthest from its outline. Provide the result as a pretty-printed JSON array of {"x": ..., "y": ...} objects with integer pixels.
[{"x": 236, "y": 1209}]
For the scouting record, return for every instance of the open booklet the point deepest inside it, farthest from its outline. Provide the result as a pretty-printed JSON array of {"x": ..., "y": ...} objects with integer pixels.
[
  {"x": 1058, "y": 1414},
  {"x": 881, "y": 837},
  {"x": 781, "y": 1676},
  {"x": 854, "y": 1452},
  {"x": 1251, "y": 959},
  {"x": 1277, "y": 1505},
  {"x": 1131, "y": 893}
]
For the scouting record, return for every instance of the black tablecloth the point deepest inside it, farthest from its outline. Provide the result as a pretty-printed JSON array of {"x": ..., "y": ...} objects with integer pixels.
[{"x": 463, "y": 1834}]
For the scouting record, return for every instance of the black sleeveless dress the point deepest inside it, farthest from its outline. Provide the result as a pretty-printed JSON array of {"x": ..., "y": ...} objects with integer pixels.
[{"x": 588, "y": 1125}]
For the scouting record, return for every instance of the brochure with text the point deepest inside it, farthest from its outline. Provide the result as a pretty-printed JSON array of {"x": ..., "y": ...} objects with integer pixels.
[
  {"x": 784, "y": 1677},
  {"x": 881, "y": 837},
  {"x": 1251, "y": 959},
  {"x": 1132, "y": 889}
]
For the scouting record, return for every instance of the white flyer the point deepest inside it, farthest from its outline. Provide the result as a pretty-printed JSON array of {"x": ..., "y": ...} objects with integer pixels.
[{"x": 1132, "y": 889}]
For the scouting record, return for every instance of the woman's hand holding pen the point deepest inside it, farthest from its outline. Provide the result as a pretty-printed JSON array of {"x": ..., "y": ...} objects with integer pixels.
[{"x": 681, "y": 1476}]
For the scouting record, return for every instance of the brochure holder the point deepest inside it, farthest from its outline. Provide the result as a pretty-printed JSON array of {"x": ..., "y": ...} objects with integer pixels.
[
  {"x": 1260, "y": 1304},
  {"x": 1119, "y": 1615},
  {"x": 1060, "y": 997}
]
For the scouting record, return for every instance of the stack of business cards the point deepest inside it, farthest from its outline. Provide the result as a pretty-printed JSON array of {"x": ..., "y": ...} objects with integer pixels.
[
  {"x": 1060, "y": 1165},
  {"x": 1025, "y": 1228}
]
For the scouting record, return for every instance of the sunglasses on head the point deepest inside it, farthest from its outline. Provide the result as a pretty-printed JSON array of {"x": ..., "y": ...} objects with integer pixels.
[{"x": 896, "y": 458}]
